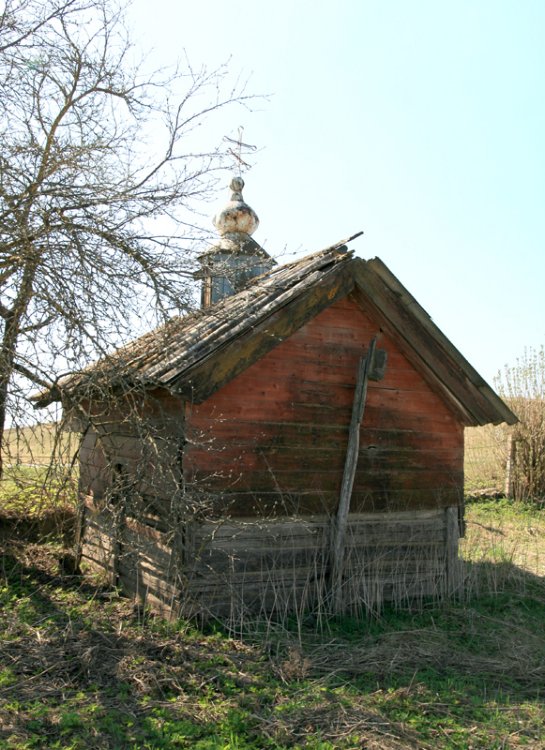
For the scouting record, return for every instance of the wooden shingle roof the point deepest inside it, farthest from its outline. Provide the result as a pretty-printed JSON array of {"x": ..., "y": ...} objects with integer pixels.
[{"x": 195, "y": 355}]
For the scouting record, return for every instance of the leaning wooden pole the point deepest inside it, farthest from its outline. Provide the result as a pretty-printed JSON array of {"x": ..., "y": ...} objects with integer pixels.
[{"x": 350, "y": 465}]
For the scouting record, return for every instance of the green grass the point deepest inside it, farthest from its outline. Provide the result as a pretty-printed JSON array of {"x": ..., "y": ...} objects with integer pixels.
[
  {"x": 81, "y": 668},
  {"x": 506, "y": 532},
  {"x": 37, "y": 503}
]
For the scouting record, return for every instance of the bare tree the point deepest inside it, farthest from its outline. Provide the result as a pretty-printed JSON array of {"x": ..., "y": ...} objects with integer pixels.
[{"x": 94, "y": 156}]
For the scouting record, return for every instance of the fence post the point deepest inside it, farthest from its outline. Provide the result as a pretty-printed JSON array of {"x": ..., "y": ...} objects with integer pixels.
[{"x": 510, "y": 466}]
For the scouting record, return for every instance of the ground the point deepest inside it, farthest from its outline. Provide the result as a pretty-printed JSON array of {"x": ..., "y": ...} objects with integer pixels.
[{"x": 82, "y": 667}]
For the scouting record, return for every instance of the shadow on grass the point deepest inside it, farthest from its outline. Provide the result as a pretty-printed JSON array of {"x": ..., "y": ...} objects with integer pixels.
[
  {"x": 492, "y": 629},
  {"x": 81, "y": 667},
  {"x": 56, "y": 524},
  {"x": 77, "y": 667},
  {"x": 469, "y": 673}
]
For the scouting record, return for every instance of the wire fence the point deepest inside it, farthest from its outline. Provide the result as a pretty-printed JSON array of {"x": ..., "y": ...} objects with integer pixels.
[
  {"x": 39, "y": 445},
  {"x": 488, "y": 460}
]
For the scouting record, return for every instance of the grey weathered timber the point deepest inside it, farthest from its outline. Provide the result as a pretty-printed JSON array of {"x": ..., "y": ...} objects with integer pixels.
[
  {"x": 351, "y": 462},
  {"x": 245, "y": 568},
  {"x": 452, "y": 560},
  {"x": 510, "y": 466},
  {"x": 242, "y": 568}
]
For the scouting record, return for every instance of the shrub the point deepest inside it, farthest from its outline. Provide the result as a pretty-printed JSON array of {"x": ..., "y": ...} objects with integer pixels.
[{"x": 523, "y": 387}]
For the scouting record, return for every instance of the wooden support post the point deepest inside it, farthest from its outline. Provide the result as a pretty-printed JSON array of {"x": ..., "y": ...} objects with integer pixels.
[
  {"x": 350, "y": 465},
  {"x": 510, "y": 466},
  {"x": 453, "y": 563}
]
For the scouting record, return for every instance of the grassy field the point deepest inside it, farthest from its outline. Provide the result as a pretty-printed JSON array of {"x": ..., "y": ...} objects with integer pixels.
[
  {"x": 81, "y": 667},
  {"x": 34, "y": 487},
  {"x": 36, "y": 445}
]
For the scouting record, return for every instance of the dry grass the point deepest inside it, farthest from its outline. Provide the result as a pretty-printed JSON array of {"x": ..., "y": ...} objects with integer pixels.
[
  {"x": 81, "y": 667},
  {"x": 36, "y": 445},
  {"x": 485, "y": 459},
  {"x": 503, "y": 552},
  {"x": 84, "y": 668},
  {"x": 38, "y": 495}
]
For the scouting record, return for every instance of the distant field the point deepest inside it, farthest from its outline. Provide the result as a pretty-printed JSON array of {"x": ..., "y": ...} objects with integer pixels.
[
  {"x": 32, "y": 486},
  {"x": 485, "y": 458},
  {"x": 35, "y": 445}
]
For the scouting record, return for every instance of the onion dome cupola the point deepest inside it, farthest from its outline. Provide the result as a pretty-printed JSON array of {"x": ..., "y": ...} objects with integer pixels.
[{"x": 236, "y": 258}]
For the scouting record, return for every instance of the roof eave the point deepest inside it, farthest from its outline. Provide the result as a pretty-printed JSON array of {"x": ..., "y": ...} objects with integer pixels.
[{"x": 428, "y": 349}]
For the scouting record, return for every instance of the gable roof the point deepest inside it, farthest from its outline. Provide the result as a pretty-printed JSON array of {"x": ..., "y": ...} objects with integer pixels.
[{"x": 195, "y": 355}]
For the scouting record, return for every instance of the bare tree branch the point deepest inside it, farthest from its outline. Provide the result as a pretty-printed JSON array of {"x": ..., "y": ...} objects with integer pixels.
[{"x": 100, "y": 166}]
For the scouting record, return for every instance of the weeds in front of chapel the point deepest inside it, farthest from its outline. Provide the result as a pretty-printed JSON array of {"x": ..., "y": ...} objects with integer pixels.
[{"x": 82, "y": 667}]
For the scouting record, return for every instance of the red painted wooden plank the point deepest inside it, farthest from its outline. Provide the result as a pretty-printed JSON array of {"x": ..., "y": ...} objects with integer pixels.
[{"x": 283, "y": 422}]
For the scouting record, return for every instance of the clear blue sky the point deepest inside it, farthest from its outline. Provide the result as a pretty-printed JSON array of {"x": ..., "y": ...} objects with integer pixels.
[{"x": 420, "y": 122}]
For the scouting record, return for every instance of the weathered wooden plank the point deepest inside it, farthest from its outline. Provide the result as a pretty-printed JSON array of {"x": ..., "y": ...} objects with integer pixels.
[
  {"x": 385, "y": 501},
  {"x": 261, "y": 541},
  {"x": 148, "y": 589},
  {"x": 243, "y": 567},
  {"x": 391, "y": 419},
  {"x": 274, "y": 504},
  {"x": 280, "y": 460},
  {"x": 294, "y": 564},
  {"x": 148, "y": 548},
  {"x": 292, "y": 411},
  {"x": 349, "y": 473},
  {"x": 98, "y": 543},
  {"x": 401, "y": 571},
  {"x": 291, "y": 482},
  {"x": 425, "y": 346},
  {"x": 322, "y": 437},
  {"x": 252, "y": 344}
]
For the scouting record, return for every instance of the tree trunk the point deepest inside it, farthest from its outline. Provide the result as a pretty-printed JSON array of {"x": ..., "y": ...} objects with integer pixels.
[{"x": 10, "y": 338}]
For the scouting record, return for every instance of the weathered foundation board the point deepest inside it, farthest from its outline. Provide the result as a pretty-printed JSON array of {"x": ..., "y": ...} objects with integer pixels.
[{"x": 240, "y": 568}]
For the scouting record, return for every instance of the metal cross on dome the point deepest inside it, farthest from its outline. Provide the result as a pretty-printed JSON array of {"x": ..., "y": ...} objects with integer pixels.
[{"x": 237, "y": 148}]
